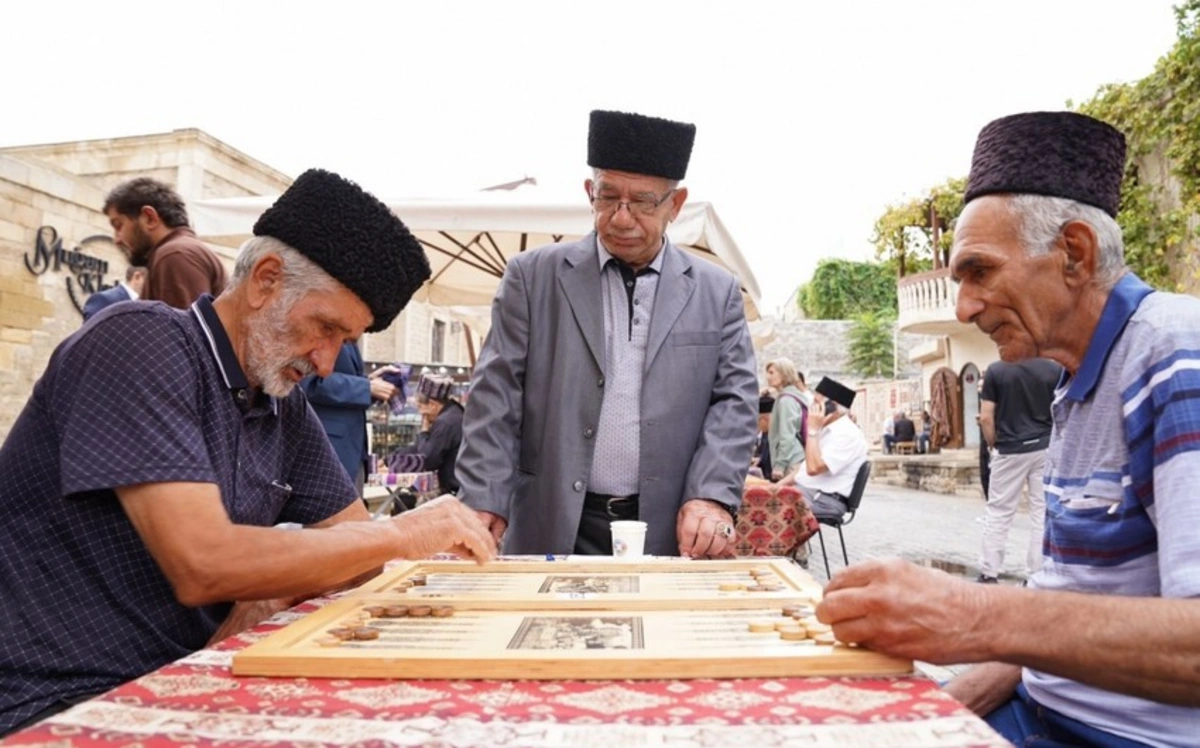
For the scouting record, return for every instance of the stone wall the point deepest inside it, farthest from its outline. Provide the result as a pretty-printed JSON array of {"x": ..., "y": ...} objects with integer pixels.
[{"x": 822, "y": 348}]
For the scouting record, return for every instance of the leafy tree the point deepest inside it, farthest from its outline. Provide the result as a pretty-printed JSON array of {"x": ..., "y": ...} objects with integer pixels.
[
  {"x": 841, "y": 289},
  {"x": 906, "y": 233},
  {"x": 1161, "y": 121},
  {"x": 871, "y": 339}
]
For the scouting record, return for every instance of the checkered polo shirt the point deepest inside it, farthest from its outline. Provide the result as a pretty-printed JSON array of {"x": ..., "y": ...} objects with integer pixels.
[{"x": 143, "y": 393}]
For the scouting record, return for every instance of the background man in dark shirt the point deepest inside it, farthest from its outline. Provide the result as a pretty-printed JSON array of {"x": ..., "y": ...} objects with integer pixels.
[
  {"x": 150, "y": 224},
  {"x": 903, "y": 429},
  {"x": 1016, "y": 421}
]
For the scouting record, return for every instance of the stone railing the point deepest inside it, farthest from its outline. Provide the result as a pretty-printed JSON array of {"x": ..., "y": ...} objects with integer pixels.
[{"x": 926, "y": 302}]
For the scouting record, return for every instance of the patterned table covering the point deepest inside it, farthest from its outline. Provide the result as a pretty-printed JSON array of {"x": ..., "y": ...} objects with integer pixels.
[{"x": 196, "y": 701}]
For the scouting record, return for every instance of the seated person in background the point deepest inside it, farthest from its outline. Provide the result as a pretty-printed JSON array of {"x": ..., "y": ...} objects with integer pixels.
[
  {"x": 436, "y": 448},
  {"x": 835, "y": 450},
  {"x": 889, "y": 434},
  {"x": 926, "y": 433},
  {"x": 903, "y": 430},
  {"x": 142, "y": 480}
]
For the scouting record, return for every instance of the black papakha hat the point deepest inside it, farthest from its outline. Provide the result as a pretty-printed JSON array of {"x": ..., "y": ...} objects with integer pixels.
[
  {"x": 1061, "y": 154},
  {"x": 354, "y": 237},
  {"x": 836, "y": 391},
  {"x": 640, "y": 144},
  {"x": 766, "y": 404}
]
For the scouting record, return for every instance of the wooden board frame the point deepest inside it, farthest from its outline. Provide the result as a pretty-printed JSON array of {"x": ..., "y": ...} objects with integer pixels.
[
  {"x": 599, "y": 584},
  {"x": 522, "y": 645}
]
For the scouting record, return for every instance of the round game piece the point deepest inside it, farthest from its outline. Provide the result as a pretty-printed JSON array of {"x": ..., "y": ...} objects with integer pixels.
[
  {"x": 376, "y": 611},
  {"x": 827, "y": 638},
  {"x": 328, "y": 641},
  {"x": 365, "y": 633},
  {"x": 419, "y": 611},
  {"x": 418, "y": 580},
  {"x": 762, "y": 627},
  {"x": 793, "y": 634},
  {"x": 443, "y": 611},
  {"x": 341, "y": 633},
  {"x": 759, "y": 570},
  {"x": 731, "y": 587},
  {"x": 804, "y": 642},
  {"x": 790, "y": 611},
  {"x": 802, "y": 613},
  {"x": 404, "y": 585},
  {"x": 817, "y": 628},
  {"x": 787, "y": 623},
  {"x": 395, "y": 611}
]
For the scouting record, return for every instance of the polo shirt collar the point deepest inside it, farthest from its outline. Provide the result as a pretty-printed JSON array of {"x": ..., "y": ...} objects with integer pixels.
[
  {"x": 222, "y": 351},
  {"x": 1122, "y": 302}
]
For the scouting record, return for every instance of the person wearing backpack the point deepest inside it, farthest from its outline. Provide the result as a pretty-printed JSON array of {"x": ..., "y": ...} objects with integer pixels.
[{"x": 789, "y": 418}]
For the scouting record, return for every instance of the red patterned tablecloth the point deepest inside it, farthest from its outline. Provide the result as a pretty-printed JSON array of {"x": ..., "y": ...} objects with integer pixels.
[{"x": 198, "y": 702}]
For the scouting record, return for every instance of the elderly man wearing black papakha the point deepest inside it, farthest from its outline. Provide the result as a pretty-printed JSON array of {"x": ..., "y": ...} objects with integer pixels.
[{"x": 141, "y": 481}]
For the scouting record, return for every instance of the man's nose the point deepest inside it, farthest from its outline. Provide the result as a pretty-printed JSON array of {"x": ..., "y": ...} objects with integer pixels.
[
  {"x": 324, "y": 357},
  {"x": 968, "y": 306},
  {"x": 623, "y": 216}
]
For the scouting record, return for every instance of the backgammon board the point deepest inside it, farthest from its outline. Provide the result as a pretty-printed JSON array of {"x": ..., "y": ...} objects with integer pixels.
[{"x": 582, "y": 619}]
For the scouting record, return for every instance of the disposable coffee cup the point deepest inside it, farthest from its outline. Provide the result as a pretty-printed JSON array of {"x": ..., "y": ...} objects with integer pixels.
[{"x": 628, "y": 538}]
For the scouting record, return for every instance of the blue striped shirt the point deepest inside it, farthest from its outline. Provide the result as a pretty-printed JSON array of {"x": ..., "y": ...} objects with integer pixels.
[{"x": 1122, "y": 503}]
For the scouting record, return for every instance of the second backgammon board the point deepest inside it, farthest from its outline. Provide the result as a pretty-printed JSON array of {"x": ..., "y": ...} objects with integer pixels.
[{"x": 549, "y": 620}]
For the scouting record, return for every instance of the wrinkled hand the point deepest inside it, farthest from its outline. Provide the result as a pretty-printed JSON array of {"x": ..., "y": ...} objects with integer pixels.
[
  {"x": 444, "y": 524},
  {"x": 381, "y": 390},
  {"x": 495, "y": 524},
  {"x": 895, "y": 607},
  {"x": 247, "y": 615},
  {"x": 700, "y": 530},
  {"x": 816, "y": 419}
]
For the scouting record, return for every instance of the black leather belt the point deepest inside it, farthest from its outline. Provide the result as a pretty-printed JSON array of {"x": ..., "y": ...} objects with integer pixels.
[{"x": 616, "y": 507}]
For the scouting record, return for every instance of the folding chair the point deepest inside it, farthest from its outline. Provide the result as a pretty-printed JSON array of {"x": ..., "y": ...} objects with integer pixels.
[{"x": 852, "y": 502}]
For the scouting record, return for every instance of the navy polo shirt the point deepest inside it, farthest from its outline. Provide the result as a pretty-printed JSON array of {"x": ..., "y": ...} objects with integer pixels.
[{"x": 143, "y": 393}]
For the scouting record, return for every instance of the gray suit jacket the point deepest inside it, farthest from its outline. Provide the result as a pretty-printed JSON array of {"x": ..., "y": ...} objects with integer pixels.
[{"x": 536, "y": 391}]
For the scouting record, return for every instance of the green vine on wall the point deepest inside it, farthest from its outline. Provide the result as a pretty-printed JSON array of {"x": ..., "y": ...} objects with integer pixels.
[{"x": 1160, "y": 116}]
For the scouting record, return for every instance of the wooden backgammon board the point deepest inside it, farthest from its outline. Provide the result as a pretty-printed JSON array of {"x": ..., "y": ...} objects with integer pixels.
[{"x": 574, "y": 619}]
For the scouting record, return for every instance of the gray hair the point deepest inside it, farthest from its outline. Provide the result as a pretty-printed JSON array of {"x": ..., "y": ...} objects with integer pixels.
[
  {"x": 300, "y": 274},
  {"x": 1042, "y": 219},
  {"x": 672, "y": 184}
]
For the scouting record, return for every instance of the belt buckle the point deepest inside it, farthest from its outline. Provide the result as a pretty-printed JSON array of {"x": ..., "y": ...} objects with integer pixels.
[{"x": 608, "y": 506}]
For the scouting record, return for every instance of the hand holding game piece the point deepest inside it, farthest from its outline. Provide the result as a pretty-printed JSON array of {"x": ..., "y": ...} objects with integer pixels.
[
  {"x": 444, "y": 524},
  {"x": 898, "y": 608}
]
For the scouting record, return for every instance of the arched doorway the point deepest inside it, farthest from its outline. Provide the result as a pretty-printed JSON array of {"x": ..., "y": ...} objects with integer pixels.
[{"x": 969, "y": 387}]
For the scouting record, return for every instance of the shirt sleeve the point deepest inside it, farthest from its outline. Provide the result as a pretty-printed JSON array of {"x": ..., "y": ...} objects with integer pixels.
[{"x": 122, "y": 420}]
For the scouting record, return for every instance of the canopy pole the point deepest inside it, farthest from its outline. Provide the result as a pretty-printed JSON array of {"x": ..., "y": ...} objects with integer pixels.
[{"x": 470, "y": 344}]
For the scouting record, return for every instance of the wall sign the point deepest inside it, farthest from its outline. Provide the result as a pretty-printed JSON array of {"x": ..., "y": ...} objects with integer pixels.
[{"x": 85, "y": 272}]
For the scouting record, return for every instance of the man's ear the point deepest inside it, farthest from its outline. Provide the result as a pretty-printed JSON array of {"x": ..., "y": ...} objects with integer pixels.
[
  {"x": 587, "y": 187},
  {"x": 265, "y": 279},
  {"x": 678, "y": 198},
  {"x": 1081, "y": 246},
  {"x": 150, "y": 216}
]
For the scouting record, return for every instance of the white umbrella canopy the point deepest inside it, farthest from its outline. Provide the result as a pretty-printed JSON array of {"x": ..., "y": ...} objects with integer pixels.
[{"x": 470, "y": 238}]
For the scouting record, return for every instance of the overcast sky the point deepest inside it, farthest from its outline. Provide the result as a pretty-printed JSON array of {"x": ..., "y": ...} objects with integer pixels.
[{"x": 812, "y": 116}]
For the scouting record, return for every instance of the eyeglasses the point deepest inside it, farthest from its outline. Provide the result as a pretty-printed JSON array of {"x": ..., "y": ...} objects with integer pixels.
[{"x": 603, "y": 204}]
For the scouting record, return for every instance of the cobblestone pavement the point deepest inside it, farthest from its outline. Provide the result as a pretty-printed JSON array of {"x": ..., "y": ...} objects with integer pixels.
[{"x": 945, "y": 531}]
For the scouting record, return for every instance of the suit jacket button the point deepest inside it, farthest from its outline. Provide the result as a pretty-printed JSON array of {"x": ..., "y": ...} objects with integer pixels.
[
  {"x": 600, "y": 382},
  {"x": 577, "y": 485},
  {"x": 588, "y": 432}
]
